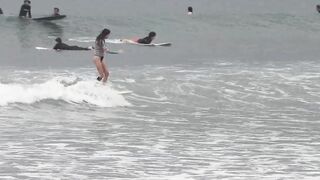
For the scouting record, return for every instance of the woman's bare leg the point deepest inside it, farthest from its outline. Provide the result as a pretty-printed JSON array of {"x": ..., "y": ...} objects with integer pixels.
[
  {"x": 99, "y": 66},
  {"x": 105, "y": 71}
]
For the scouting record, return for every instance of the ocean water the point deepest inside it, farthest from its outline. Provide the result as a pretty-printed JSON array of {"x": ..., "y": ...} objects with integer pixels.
[{"x": 236, "y": 96}]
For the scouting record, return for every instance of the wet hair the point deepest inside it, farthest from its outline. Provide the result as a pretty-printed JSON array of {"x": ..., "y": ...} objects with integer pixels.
[
  {"x": 101, "y": 37},
  {"x": 190, "y": 9},
  {"x": 152, "y": 34},
  {"x": 58, "y": 40},
  {"x": 1, "y": 11},
  {"x": 56, "y": 9},
  {"x": 27, "y": 1}
]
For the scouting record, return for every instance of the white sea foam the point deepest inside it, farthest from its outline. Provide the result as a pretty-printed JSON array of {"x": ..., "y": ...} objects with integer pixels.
[
  {"x": 66, "y": 89},
  {"x": 126, "y": 80},
  {"x": 159, "y": 78},
  {"x": 174, "y": 177}
]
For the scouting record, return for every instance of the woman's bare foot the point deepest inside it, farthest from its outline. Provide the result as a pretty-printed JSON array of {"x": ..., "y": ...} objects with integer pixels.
[{"x": 104, "y": 79}]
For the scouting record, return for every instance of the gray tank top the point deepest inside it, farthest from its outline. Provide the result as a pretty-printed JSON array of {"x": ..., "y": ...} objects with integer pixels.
[{"x": 99, "y": 48}]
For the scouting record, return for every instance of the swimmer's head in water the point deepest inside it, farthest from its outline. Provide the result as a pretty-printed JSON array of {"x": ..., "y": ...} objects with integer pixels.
[
  {"x": 190, "y": 9},
  {"x": 152, "y": 34},
  {"x": 318, "y": 8},
  {"x": 58, "y": 40}
]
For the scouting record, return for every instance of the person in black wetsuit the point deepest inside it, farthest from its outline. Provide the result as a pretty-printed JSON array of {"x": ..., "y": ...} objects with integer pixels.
[
  {"x": 1, "y": 12},
  {"x": 63, "y": 46},
  {"x": 25, "y": 10},
  {"x": 148, "y": 39}
]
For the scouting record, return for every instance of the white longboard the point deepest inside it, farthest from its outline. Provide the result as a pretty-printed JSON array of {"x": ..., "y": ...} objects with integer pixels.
[
  {"x": 43, "y": 48},
  {"x": 109, "y": 52},
  {"x": 155, "y": 44},
  {"x": 121, "y": 41},
  {"x": 128, "y": 41}
]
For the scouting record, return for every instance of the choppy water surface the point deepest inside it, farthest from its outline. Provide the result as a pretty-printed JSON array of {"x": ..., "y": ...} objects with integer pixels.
[{"x": 177, "y": 122}]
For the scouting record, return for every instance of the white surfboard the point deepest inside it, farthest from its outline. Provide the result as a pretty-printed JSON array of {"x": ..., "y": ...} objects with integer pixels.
[
  {"x": 155, "y": 44},
  {"x": 151, "y": 44},
  {"x": 115, "y": 52},
  {"x": 43, "y": 48},
  {"x": 115, "y": 41},
  {"x": 108, "y": 52},
  {"x": 90, "y": 39},
  {"x": 120, "y": 41}
]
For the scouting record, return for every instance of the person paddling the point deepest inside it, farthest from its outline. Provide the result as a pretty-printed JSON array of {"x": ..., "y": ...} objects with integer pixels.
[
  {"x": 63, "y": 46},
  {"x": 148, "y": 39}
]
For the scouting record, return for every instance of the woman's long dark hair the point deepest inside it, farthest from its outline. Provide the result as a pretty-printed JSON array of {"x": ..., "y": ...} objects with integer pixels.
[{"x": 101, "y": 37}]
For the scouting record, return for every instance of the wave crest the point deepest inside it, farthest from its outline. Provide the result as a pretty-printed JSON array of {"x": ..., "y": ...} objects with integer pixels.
[{"x": 72, "y": 90}]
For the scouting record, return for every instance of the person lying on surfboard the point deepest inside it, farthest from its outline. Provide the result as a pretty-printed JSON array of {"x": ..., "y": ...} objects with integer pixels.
[
  {"x": 145, "y": 40},
  {"x": 148, "y": 39},
  {"x": 63, "y": 46},
  {"x": 25, "y": 10}
]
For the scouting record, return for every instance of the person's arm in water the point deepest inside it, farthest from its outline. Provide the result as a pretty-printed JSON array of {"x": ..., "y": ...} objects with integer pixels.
[
  {"x": 29, "y": 12},
  {"x": 56, "y": 47},
  {"x": 25, "y": 11},
  {"x": 61, "y": 46}
]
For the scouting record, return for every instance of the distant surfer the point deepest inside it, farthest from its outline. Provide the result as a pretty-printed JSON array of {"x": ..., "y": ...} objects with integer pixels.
[
  {"x": 190, "y": 10},
  {"x": 1, "y": 12},
  {"x": 318, "y": 8},
  {"x": 25, "y": 10},
  {"x": 63, "y": 46},
  {"x": 99, "y": 51},
  {"x": 54, "y": 16},
  {"x": 146, "y": 40},
  {"x": 56, "y": 12}
]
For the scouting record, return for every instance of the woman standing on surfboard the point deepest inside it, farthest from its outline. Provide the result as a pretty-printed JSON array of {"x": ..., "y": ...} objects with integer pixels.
[{"x": 99, "y": 50}]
